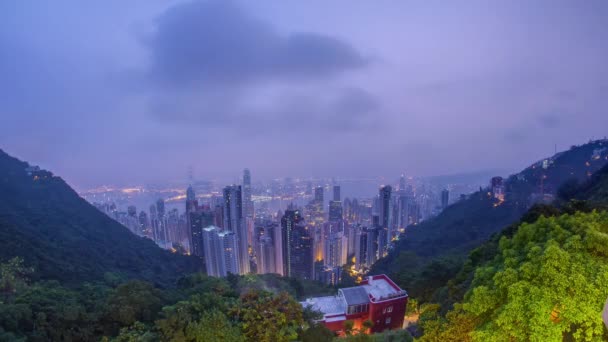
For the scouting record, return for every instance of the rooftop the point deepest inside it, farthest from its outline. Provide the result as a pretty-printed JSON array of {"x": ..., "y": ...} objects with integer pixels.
[
  {"x": 355, "y": 295},
  {"x": 327, "y": 305},
  {"x": 380, "y": 287}
]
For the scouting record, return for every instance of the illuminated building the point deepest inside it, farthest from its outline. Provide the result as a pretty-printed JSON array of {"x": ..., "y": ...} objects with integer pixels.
[
  {"x": 319, "y": 198},
  {"x": 199, "y": 220},
  {"x": 377, "y": 299},
  {"x": 248, "y": 209},
  {"x": 360, "y": 248},
  {"x": 297, "y": 246},
  {"x": 335, "y": 211},
  {"x": 233, "y": 222},
  {"x": 221, "y": 252},
  {"x": 385, "y": 217}
]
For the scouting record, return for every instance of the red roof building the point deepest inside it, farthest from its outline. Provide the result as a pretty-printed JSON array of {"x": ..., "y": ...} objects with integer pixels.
[{"x": 377, "y": 299}]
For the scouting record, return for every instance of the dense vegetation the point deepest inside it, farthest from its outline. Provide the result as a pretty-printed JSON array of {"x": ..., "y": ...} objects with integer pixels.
[
  {"x": 65, "y": 238},
  {"x": 546, "y": 283},
  {"x": 198, "y": 308}
]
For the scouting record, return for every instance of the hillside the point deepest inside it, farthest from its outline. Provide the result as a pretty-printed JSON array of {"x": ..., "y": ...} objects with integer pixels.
[
  {"x": 431, "y": 253},
  {"x": 65, "y": 238}
]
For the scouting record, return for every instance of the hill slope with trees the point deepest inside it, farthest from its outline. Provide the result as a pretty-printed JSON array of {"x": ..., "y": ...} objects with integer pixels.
[{"x": 65, "y": 238}]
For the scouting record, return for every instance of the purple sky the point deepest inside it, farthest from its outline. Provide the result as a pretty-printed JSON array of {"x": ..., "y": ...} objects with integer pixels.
[{"x": 135, "y": 91}]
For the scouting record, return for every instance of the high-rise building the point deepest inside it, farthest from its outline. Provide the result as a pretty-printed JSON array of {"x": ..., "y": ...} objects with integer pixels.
[
  {"x": 199, "y": 220},
  {"x": 266, "y": 256},
  {"x": 385, "y": 212},
  {"x": 221, "y": 252},
  {"x": 335, "y": 211},
  {"x": 161, "y": 235},
  {"x": 248, "y": 209},
  {"x": 402, "y": 183},
  {"x": 319, "y": 197},
  {"x": 336, "y": 193},
  {"x": 335, "y": 250},
  {"x": 360, "y": 247},
  {"x": 297, "y": 246},
  {"x": 445, "y": 198},
  {"x": 233, "y": 222},
  {"x": 144, "y": 224}
]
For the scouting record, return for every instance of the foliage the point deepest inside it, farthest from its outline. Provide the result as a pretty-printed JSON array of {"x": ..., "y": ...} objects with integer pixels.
[
  {"x": 546, "y": 282},
  {"x": 268, "y": 317},
  {"x": 13, "y": 277}
]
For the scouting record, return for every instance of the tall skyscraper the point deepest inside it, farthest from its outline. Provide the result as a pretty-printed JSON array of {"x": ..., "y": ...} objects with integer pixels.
[
  {"x": 335, "y": 211},
  {"x": 360, "y": 247},
  {"x": 266, "y": 257},
  {"x": 319, "y": 197},
  {"x": 161, "y": 223},
  {"x": 199, "y": 220},
  {"x": 337, "y": 193},
  {"x": 445, "y": 198},
  {"x": 144, "y": 224},
  {"x": 233, "y": 222},
  {"x": 248, "y": 209},
  {"x": 335, "y": 250},
  {"x": 221, "y": 252},
  {"x": 385, "y": 217},
  {"x": 402, "y": 182},
  {"x": 297, "y": 246}
]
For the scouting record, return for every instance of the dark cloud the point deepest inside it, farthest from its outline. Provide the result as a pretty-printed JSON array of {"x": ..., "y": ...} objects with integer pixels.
[
  {"x": 215, "y": 41},
  {"x": 334, "y": 111},
  {"x": 550, "y": 120}
]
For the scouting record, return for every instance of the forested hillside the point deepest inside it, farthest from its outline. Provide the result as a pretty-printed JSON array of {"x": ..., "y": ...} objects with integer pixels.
[{"x": 65, "y": 238}]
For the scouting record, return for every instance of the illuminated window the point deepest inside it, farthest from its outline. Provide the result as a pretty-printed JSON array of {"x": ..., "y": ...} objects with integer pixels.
[
  {"x": 388, "y": 320},
  {"x": 390, "y": 309}
]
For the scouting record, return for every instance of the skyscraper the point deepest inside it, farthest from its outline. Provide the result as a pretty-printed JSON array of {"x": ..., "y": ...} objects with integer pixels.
[
  {"x": 248, "y": 209},
  {"x": 199, "y": 220},
  {"x": 221, "y": 252},
  {"x": 445, "y": 198},
  {"x": 319, "y": 197},
  {"x": 335, "y": 211},
  {"x": 336, "y": 193},
  {"x": 385, "y": 217},
  {"x": 297, "y": 246},
  {"x": 233, "y": 222}
]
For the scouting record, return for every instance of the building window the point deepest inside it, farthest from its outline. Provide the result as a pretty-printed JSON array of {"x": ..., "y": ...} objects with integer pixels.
[
  {"x": 388, "y": 320},
  {"x": 389, "y": 309}
]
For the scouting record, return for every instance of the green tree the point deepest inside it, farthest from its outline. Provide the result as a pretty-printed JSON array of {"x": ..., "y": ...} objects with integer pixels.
[
  {"x": 213, "y": 326},
  {"x": 547, "y": 282},
  {"x": 13, "y": 277},
  {"x": 133, "y": 301},
  {"x": 267, "y": 317},
  {"x": 138, "y": 332}
]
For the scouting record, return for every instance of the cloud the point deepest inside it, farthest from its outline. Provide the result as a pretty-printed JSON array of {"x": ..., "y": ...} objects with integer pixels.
[
  {"x": 550, "y": 120},
  {"x": 215, "y": 42},
  {"x": 328, "y": 110}
]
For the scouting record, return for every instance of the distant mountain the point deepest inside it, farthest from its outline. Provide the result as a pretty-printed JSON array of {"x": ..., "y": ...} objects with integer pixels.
[
  {"x": 65, "y": 238},
  {"x": 437, "y": 245}
]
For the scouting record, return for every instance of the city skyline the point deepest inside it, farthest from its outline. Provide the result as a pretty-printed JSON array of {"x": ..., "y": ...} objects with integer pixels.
[{"x": 388, "y": 87}]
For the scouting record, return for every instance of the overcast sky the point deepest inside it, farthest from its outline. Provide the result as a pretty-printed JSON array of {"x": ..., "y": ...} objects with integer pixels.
[{"x": 127, "y": 92}]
